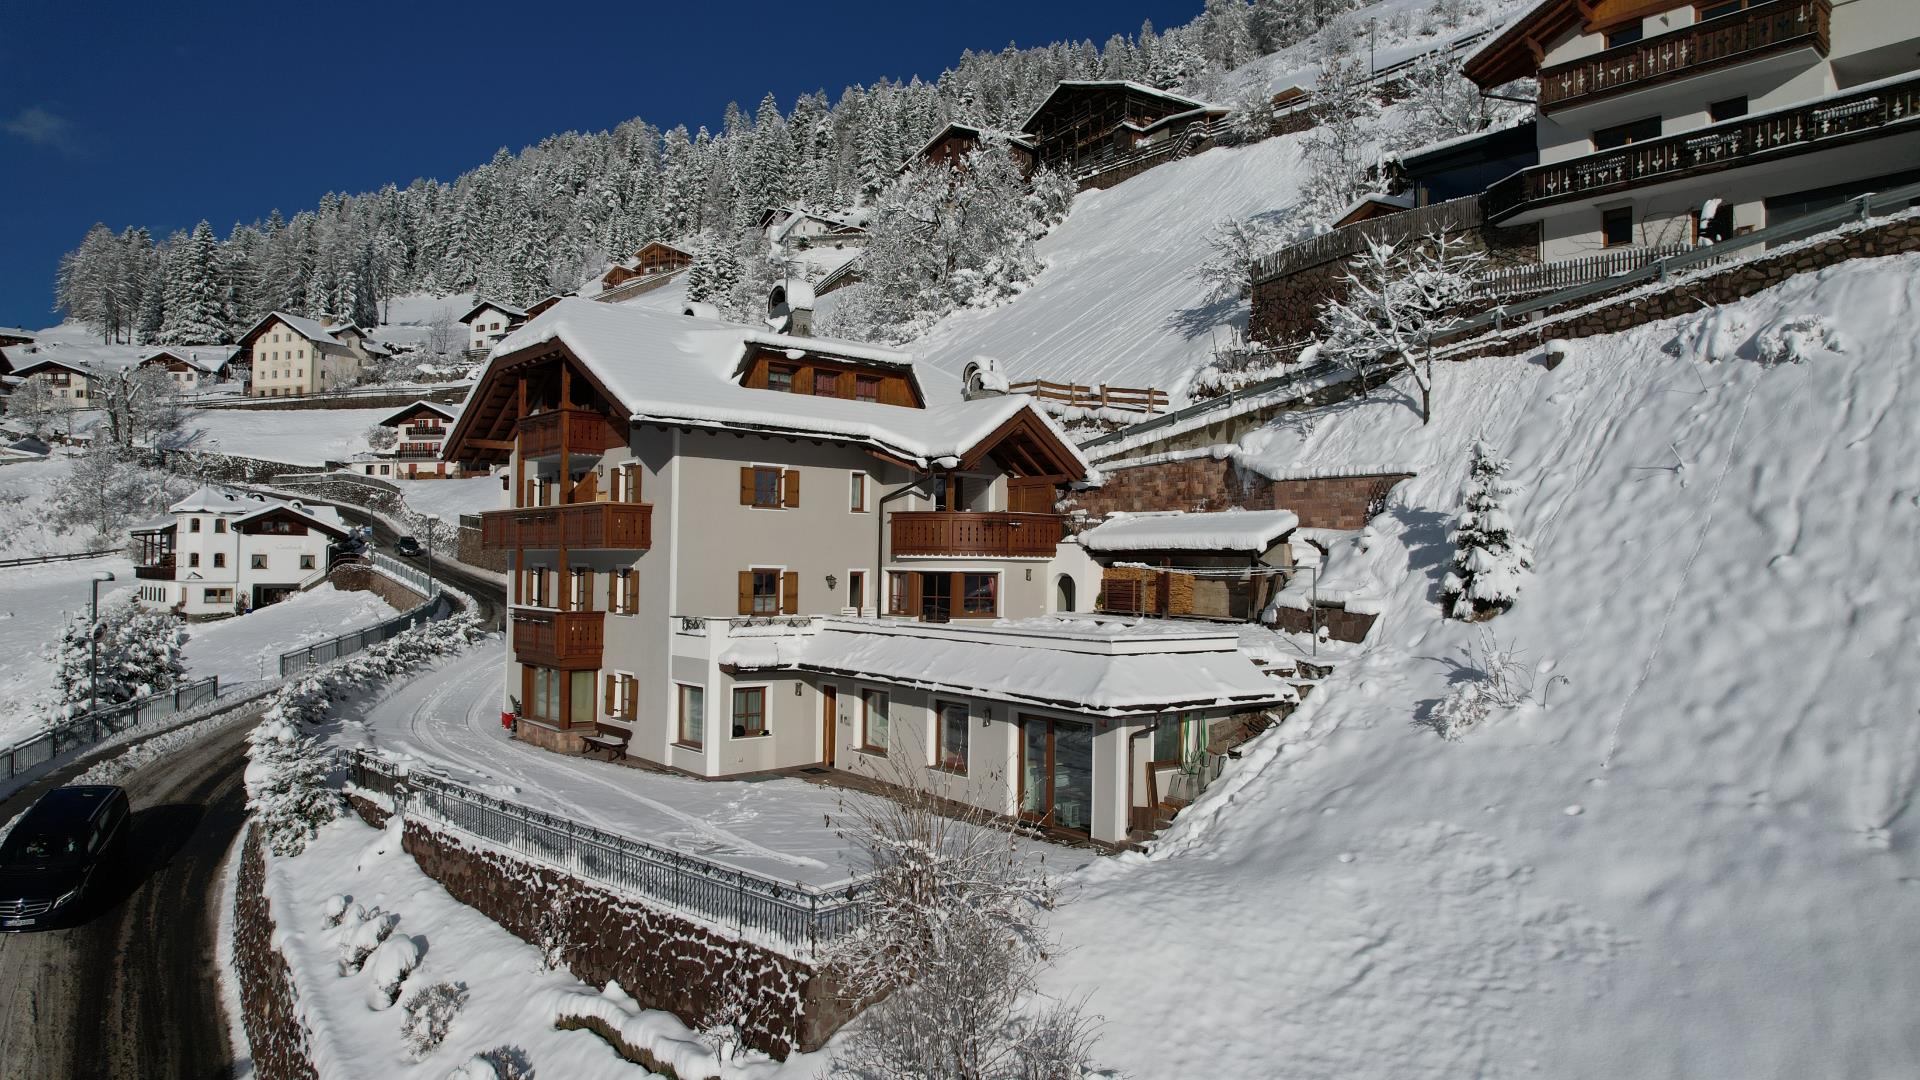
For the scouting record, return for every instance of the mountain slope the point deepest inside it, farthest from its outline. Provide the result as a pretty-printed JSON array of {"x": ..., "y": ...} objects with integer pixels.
[{"x": 1700, "y": 861}]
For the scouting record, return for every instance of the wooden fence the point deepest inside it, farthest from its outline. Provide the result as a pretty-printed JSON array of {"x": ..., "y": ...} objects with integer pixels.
[
  {"x": 1454, "y": 215},
  {"x": 1514, "y": 280},
  {"x": 1135, "y": 399}
]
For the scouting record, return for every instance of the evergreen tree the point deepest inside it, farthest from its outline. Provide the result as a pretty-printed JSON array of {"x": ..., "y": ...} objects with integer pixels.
[
  {"x": 1490, "y": 560},
  {"x": 195, "y": 311}
]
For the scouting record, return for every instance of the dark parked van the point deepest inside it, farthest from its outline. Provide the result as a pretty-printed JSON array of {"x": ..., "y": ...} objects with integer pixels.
[{"x": 56, "y": 849}]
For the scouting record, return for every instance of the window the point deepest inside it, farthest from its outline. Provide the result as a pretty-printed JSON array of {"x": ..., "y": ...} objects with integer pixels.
[
  {"x": 626, "y": 483},
  {"x": 780, "y": 377},
  {"x": 217, "y": 596},
  {"x": 1638, "y": 131},
  {"x": 1616, "y": 226},
  {"x": 979, "y": 594},
  {"x": 769, "y": 487},
  {"x": 760, "y": 591},
  {"x": 1626, "y": 35},
  {"x": 306, "y": 562},
  {"x": 534, "y": 587},
  {"x": 1167, "y": 739},
  {"x": 950, "y": 730},
  {"x": 866, "y": 388},
  {"x": 1723, "y": 7},
  {"x": 856, "y": 590},
  {"x": 873, "y": 721},
  {"x": 580, "y": 589},
  {"x": 693, "y": 716},
  {"x": 899, "y": 593},
  {"x": 826, "y": 383},
  {"x": 219, "y": 525},
  {"x": 219, "y": 560},
  {"x": 623, "y": 696},
  {"x": 857, "y": 493},
  {"x": 1728, "y": 109},
  {"x": 623, "y": 592},
  {"x": 543, "y": 693},
  {"x": 258, "y": 562},
  {"x": 749, "y": 711},
  {"x": 193, "y": 558},
  {"x": 193, "y": 524}
]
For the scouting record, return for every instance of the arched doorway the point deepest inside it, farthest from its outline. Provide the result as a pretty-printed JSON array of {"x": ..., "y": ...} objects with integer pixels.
[{"x": 1063, "y": 598}]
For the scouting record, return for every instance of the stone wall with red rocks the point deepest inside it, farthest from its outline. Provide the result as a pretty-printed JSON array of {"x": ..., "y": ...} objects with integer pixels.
[
  {"x": 274, "y": 1031},
  {"x": 1205, "y": 483}
]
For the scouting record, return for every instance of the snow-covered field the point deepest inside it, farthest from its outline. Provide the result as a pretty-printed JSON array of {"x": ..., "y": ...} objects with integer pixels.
[
  {"x": 451, "y": 498},
  {"x": 248, "y": 648},
  {"x": 1699, "y": 861},
  {"x": 26, "y": 498},
  {"x": 35, "y": 602},
  {"x": 294, "y": 436}
]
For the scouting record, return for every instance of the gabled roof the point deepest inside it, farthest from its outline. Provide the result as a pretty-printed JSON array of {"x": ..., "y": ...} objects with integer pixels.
[
  {"x": 447, "y": 412},
  {"x": 508, "y": 310},
  {"x": 955, "y": 127},
  {"x": 209, "y": 360},
  {"x": 663, "y": 245},
  {"x": 16, "y": 332},
  {"x": 325, "y": 518},
  {"x": 1513, "y": 52},
  {"x": 89, "y": 360},
  {"x": 310, "y": 329},
  {"x": 213, "y": 499},
  {"x": 1185, "y": 103},
  {"x": 666, "y": 368}
]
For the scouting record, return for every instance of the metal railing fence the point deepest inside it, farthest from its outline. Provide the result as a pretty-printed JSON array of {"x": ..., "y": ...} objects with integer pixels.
[
  {"x": 94, "y": 727},
  {"x": 294, "y": 661},
  {"x": 33, "y": 560},
  {"x": 802, "y": 917}
]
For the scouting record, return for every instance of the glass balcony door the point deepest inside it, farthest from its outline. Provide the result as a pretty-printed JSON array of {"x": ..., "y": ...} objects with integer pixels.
[{"x": 1056, "y": 773}]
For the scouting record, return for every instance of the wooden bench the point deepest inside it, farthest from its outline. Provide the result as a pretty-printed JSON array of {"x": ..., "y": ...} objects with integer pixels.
[{"x": 609, "y": 738}]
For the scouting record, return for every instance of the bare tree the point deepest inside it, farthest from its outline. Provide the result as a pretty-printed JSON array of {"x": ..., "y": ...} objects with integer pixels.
[
  {"x": 33, "y": 404},
  {"x": 381, "y": 437},
  {"x": 1400, "y": 298},
  {"x": 142, "y": 407}
]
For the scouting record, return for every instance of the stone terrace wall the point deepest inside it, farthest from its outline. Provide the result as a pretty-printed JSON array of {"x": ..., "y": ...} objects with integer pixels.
[
  {"x": 1205, "y": 483},
  {"x": 278, "y": 1039}
]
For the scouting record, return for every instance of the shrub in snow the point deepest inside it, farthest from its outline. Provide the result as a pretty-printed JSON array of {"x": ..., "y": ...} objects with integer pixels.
[
  {"x": 1716, "y": 334},
  {"x": 1795, "y": 338},
  {"x": 363, "y": 938},
  {"x": 1494, "y": 681},
  {"x": 392, "y": 961},
  {"x": 499, "y": 1063},
  {"x": 1401, "y": 298},
  {"x": 430, "y": 1012},
  {"x": 1490, "y": 560},
  {"x": 334, "y": 909},
  {"x": 138, "y": 653}
]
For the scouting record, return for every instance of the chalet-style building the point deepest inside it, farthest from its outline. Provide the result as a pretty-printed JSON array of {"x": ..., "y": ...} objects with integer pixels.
[
  {"x": 217, "y": 552},
  {"x": 543, "y": 304},
  {"x": 1664, "y": 122},
  {"x": 656, "y": 257},
  {"x": 292, "y": 354},
  {"x": 13, "y": 335},
  {"x": 68, "y": 379},
  {"x": 735, "y": 551},
  {"x": 488, "y": 321},
  {"x": 422, "y": 430},
  {"x": 798, "y": 229},
  {"x": 70, "y": 370},
  {"x": 1083, "y": 123},
  {"x": 191, "y": 367},
  {"x": 951, "y": 144}
]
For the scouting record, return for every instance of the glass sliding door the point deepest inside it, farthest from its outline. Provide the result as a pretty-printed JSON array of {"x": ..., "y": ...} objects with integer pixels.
[{"x": 1056, "y": 773}]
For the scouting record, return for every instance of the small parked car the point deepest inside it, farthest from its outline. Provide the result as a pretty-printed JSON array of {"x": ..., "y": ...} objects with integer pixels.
[
  {"x": 55, "y": 852},
  {"x": 408, "y": 546}
]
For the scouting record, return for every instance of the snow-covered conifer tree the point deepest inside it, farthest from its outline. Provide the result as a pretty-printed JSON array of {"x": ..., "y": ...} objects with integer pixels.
[
  {"x": 194, "y": 312},
  {"x": 1491, "y": 560},
  {"x": 138, "y": 653}
]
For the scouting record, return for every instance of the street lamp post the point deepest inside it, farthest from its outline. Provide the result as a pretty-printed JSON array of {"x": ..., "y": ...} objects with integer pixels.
[
  {"x": 433, "y": 526},
  {"x": 93, "y": 640}
]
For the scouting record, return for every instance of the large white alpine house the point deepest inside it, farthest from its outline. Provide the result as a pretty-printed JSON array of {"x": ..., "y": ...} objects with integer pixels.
[{"x": 219, "y": 552}]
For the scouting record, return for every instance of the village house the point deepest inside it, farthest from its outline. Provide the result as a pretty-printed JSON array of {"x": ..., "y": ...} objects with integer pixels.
[
  {"x": 13, "y": 335},
  {"x": 1672, "y": 123},
  {"x": 488, "y": 321},
  {"x": 192, "y": 368},
  {"x": 219, "y": 552},
  {"x": 1086, "y": 123},
  {"x": 71, "y": 371},
  {"x": 951, "y": 144},
  {"x": 421, "y": 435},
  {"x": 734, "y": 551},
  {"x": 292, "y": 354},
  {"x": 655, "y": 257},
  {"x": 799, "y": 229}
]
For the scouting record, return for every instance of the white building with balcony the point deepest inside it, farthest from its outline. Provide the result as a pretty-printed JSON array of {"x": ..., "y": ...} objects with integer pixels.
[{"x": 220, "y": 552}]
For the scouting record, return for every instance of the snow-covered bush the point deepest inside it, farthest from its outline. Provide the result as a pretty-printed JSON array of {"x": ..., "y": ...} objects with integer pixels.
[
  {"x": 1493, "y": 681},
  {"x": 390, "y": 964},
  {"x": 1235, "y": 244},
  {"x": 107, "y": 490},
  {"x": 1252, "y": 117},
  {"x": 138, "y": 653},
  {"x": 380, "y": 437},
  {"x": 1400, "y": 298},
  {"x": 499, "y": 1063},
  {"x": 363, "y": 934},
  {"x": 1794, "y": 339},
  {"x": 334, "y": 909},
  {"x": 1444, "y": 104},
  {"x": 1715, "y": 334},
  {"x": 430, "y": 1012},
  {"x": 1490, "y": 559}
]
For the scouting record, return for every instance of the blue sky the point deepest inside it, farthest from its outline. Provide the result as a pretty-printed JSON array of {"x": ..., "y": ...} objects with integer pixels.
[{"x": 130, "y": 114}]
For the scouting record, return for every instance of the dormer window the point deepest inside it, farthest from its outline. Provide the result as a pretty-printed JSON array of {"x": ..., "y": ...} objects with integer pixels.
[{"x": 780, "y": 377}]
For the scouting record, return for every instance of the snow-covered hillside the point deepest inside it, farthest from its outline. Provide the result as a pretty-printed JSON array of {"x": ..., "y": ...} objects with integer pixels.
[{"x": 1699, "y": 860}]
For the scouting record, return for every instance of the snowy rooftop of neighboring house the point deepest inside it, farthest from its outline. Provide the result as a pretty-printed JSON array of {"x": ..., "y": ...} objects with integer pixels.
[
  {"x": 1109, "y": 667},
  {"x": 505, "y": 309},
  {"x": 1124, "y": 84},
  {"x": 207, "y": 358},
  {"x": 1017, "y": 138},
  {"x": 211, "y": 499},
  {"x": 86, "y": 359},
  {"x": 159, "y": 523},
  {"x": 683, "y": 369},
  {"x": 447, "y": 412},
  {"x": 313, "y": 330},
  {"x": 1225, "y": 530},
  {"x": 17, "y": 332}
]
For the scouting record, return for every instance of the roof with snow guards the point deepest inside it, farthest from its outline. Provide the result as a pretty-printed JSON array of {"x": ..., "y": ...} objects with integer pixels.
[
  {"x": 683, "y": 371},
  {"x": 1225, "y": 530}
]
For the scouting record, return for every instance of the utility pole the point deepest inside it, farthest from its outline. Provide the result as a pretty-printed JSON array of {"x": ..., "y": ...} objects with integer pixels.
[
  {"x": 433, "y": 526},
  {"x": 93, "y": 640}
]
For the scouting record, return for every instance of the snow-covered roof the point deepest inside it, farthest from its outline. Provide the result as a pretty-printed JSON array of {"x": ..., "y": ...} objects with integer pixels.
[
  {"x": 160, "y": 523},
  {"x": 1017, "y": 138},
  {"x": 1123, "y": 84},
  {"x": 213, "y": 499},
  {"x": 91, "y": 360},
  {"x": 1103, "y": 667},
  {"x": 508, "y": 310},
  {"x": 16, "y": 332},
  {"x": 449, "y": 412},
  {"x": 1224, "y": 530},
  {"x": 207, "y": 358},
  {"x": 684, "y": 370},
  {"x": 311, "y": 329}
]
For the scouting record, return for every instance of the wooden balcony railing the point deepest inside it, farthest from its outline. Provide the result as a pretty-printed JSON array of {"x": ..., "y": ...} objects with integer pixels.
[
  {"x": 572, "y": 640},
  {"x": 613, "y": 526},
  {"x": 998, "y": 535},
  {"x": 158, "y": 571},
  {"x": 584, "y": 431},
  {"x": 1842, "y": 118},
  {"x": 1763, "y": 28},
  {"x": 425, "y": 431}
]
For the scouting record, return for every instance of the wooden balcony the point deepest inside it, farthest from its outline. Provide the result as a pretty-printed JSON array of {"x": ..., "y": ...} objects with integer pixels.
[
  {"x": 581, "y": 431},
  {"x": 1690, "y": 50},
  {"x": 570, "y": 640},
  {"x": 1888, "y": 109},
  {"x": 156, "y": 571},
  {"x": 613, "y": 526},
  {"x": 997, "y": 535}
]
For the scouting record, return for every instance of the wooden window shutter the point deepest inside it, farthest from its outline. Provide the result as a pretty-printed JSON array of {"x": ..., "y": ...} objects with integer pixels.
[
  {"x": 746, "y": 592},
  {"x": 790, "y": 593},
  {"x": 746, "y": 485},
  {"x": 612, "y": 681},
  {"x": 790, "y": 487}
]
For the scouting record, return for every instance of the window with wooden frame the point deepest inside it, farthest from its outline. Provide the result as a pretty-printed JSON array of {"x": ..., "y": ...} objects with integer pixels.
[
  {"x": 857, "y": 493},
  {"x": 826, "y": 383},
  {"x": 306, "y": 562},
  {"x": 780, "y": 377},
  {"x": 749, "y": 712},
  {"x": 624, "y": 485},
  {"x": 693, "y": 716},
  {"x": 542, "y": 697},
  {"x": 623, "y": 591},
  {"x": 873, "y": 721},
  {"x": 219, "y": 525},
  {"x": 899, "y": 593},
  {"x": 256, "y": 562},
  {"x": 951, "y": 731},
  {"x": 193, "y": 558},
  {"x": 1616, "y": 226},
  {"x": 769, "y": 487},
  {"x": 769, "y": 591},
  {"x": 866, "y": 388},
  {"x": 979, "y": 594},
  {"x": 622, "y": 696},
  {"x": 1610, "y": 138},
  {"x": 580, "y": 589},
  {"x": 857, "y": 590},
  {"x": 1714, "y": 10},
  {"x": 534, "y": 590},
  {"x": 193, "y": 524}
]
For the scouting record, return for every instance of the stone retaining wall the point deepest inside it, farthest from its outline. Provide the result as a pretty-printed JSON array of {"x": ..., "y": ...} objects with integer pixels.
[
  {"x": 354, "y": 577},
  {"x": 1205, "y": 483},
  {"x": 278, "y": 1038},
  {"x": 1341, "y": 624},
  {"x": 470, "y": 551}
]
